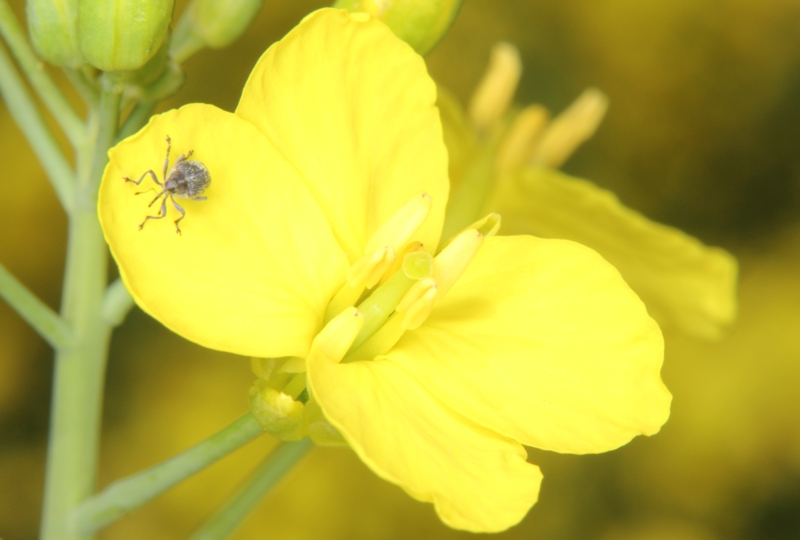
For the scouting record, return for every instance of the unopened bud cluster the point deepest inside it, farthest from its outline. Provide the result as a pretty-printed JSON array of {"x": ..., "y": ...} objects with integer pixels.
[{"x": 127, "y": 35}]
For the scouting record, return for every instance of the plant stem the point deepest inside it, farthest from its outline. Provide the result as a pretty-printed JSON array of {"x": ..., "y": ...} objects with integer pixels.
[
  {"x": 467, "y": 202},
  {"x": 277, "y": 464},
  {"x": 117, "y": 303},
  {"x": 38, "y": 314},
  {"x": 136, "y": 119},
  {"x": 34, "y": 69},
  {"x": 80, "y": 369},
  {"x": 83, "y": 85},
  {"x": 33, "y": 126},
  {"x": 131, "y": 492}
]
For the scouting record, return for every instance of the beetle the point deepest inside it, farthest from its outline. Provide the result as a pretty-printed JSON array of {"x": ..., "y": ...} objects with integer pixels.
[{"x": 186, "y": 180}]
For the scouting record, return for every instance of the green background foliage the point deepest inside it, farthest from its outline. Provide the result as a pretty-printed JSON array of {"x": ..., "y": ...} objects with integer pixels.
[{"x": 703, "y": 133}]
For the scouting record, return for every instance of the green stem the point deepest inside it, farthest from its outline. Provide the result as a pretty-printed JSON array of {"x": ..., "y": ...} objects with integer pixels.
[
  {"x": 467, "y": 202},
  {"x": 117, "y": 303},
  {"x": 88, "y": 91},
  {"x": 136, "y": 119},
  {"x": 262, "y": 481},
  {"x": 80, "y": 369},
  {"x": 129, "y": 493},
  {"x": 38, "y": 314},
  {"x": 33, "y": 126},
  {"x": 34, "y": 69}
]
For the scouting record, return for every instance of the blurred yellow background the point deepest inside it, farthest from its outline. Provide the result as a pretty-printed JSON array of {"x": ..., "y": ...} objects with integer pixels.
[{"x": 703, "y": 133}]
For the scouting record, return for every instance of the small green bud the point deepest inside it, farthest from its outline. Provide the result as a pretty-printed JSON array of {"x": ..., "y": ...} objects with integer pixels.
[
  {"x": 220, "y": 22},
  {"x": 277, "y": 413},
  {"x": 211, "y": 23},
  {"x": 53, "y": 26},
  {"x": 420, "y": 23},
  {"x": 122, "y": 35}
]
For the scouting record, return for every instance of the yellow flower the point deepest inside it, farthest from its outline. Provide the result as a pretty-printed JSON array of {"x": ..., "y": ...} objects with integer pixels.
[
  {"x": 504, "y": 160},
  {"x": 328, "y": 188}
]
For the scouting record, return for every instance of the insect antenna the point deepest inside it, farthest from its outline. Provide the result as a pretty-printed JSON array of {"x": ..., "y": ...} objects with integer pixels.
[
  {"x": 145, "y": 191},
  {"x": 162, "y": 192}
]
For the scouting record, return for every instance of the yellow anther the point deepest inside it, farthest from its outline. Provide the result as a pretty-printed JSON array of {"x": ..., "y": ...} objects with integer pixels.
[
  {"x": 520, "y": 143},
  {"x": 454, "y": 259},
  {"x": 391, "y": 238},
  {"x": 418, "y": 303},
  {"x": 368, "y": 270},
  {"x": 570, "y": 129},
  {"x": 448, "y": 266},
  {"x": 496, "y": 90},
  {"x": 335, "y": 339},
  {"x": 397, "y": 232},
  {"x": 487, "y": 226}
]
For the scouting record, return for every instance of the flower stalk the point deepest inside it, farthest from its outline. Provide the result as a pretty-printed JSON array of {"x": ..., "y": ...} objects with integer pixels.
[
  {"x": 269, "y": 473},
  {"x": 38, "y": 314},
  {"x": 80, "y": 368},
  {"x": 131, "y": 492}
]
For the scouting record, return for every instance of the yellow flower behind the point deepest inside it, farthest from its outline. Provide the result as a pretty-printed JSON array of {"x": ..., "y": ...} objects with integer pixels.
[
  {"x": 505, "y": 160},
  {"x": 328, "y": 191}
]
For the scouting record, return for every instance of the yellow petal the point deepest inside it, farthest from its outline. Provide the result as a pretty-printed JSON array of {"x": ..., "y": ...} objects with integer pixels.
[
  {"x": 543, "y": 342},
  {"x": 256, "y": 263},
  {"x": 683, "y": 282},
  {"x": 477, "y": 480},
  {"x": 352, "y": 108}
]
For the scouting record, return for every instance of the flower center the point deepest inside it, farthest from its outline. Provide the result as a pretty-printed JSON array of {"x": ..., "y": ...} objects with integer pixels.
[{"x": 408, "y": 288}]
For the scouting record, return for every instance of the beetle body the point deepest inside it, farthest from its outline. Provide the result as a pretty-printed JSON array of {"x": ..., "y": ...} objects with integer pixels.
[{"x": 187, "y": 179}]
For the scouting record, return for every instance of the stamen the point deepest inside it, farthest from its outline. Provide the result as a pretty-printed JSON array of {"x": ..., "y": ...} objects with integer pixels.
[
  {"x": 390, "y": 239},
  {"x": 487, "y": 226},
  {"x": 417, "y": 303},
  {"x": 570, "y": 129},
  {"x": 454, "y": 259},
  {"x": 368, "y": 270},
  {"x": 519, "y": 144},
  {"x": 448, "y": 266},
  {"x": 336, "y": 338},
  {"x": 495, "y": 91}
]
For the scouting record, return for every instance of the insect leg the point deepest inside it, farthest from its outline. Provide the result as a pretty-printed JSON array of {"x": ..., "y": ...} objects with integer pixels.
[
  {"x": 199, "y": 198},
  {"x": 179, "y": 209},
  {"x": 150, "y": 172},
  {"x": 157, "y": 196},
  {"x": 166, "y": 159},
  {"x": 162, "y": 213}
]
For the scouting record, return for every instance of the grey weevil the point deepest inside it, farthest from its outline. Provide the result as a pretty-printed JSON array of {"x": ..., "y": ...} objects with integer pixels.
[{"x": 186, "y": 180}]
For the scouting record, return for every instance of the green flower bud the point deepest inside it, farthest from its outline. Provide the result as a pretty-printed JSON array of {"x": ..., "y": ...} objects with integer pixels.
[
  {"x": 53, "y": 26},
  {"x": 211, "y": 23},
  {"x": 122, "y": 35},
  {"x": 420, "y": 23},
  {"x": 220, "y": 22}
]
